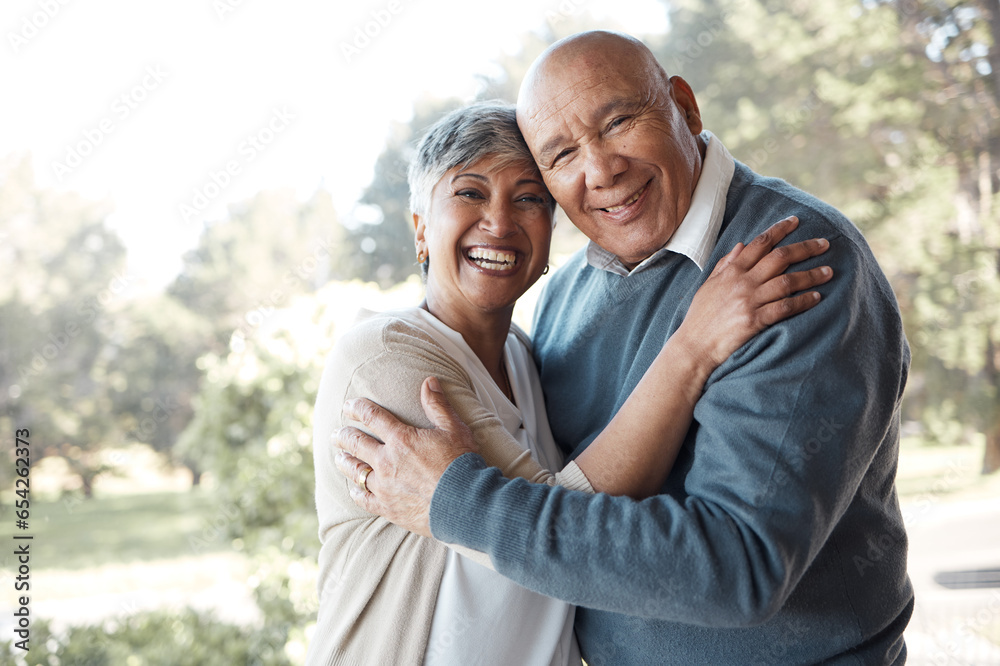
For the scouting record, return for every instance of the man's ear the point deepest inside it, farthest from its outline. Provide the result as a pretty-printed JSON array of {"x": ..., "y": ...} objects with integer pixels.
[{"x": 688, "y": 105}]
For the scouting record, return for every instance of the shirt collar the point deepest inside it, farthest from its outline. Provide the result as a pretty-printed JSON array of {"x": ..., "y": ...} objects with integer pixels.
[{"x": 696, "y": 236}]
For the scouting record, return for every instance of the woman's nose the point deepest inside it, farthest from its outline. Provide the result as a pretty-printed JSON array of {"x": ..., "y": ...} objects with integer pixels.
[{"x": 499, "y": 221}]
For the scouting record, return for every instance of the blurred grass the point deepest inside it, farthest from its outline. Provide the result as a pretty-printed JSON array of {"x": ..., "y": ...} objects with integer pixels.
[
  {"x": 76, "y": 534},
  {"x": 948, "y": 472}
]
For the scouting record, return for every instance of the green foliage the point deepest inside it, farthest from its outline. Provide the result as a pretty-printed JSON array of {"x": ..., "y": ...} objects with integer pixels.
[
  {"x": 268, "y": 251},
  {"x": 64, "y": 284},
  {"x": 149, "y": 639},
  {"x": 253, "y": 432}
]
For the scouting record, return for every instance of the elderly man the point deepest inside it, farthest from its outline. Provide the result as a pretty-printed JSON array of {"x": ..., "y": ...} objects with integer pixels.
[{"x": 777, "y": 537}]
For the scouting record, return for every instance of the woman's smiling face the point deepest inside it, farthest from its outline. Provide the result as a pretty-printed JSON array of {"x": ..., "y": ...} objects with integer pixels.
[{"x": 486, "y": 234}]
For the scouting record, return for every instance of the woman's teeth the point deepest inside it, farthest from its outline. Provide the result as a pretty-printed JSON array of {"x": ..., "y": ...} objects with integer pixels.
[
  {"x": 632, "y": 200},
  {"x": 492, "y": 260}
]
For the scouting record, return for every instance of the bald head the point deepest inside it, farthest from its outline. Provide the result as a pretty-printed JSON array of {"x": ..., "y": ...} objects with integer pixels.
[
  {"x": 588, "y": 55},
  {"x": 616, "y": 140}
]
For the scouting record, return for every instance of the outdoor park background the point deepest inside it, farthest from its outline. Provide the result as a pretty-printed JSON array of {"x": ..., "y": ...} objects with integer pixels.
[{"x": 196, "y": 198}]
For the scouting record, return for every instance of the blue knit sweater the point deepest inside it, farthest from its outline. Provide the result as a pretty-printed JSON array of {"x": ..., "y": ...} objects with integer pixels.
[{"x": 777, "y": 537}]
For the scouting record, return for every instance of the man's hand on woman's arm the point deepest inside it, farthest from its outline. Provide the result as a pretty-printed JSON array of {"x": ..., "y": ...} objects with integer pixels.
[{"x": 405, "y": 473}]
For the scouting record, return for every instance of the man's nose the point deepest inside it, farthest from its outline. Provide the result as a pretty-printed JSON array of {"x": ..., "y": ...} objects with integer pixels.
[{"x": 602, "y": 165}]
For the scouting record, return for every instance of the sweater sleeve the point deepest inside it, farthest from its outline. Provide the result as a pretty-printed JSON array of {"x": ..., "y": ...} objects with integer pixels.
[{"x": 785, "y": 433}]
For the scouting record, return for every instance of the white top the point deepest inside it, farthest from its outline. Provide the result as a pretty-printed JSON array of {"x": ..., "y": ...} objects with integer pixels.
[
  {"x": 482, "y": 617},
  {"x": 699, "y": 230}
]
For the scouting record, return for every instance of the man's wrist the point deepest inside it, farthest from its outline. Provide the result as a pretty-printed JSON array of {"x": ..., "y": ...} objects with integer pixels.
[{"x": 450, "y": 501}]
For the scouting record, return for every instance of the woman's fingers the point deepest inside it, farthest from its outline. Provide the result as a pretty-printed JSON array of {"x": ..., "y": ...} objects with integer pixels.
[
  {"x": 765, "y": 242},
  {"x": 787, "y": 284},
  {"x": 779, "y": 259},
  {"x": 776, "y": 311}
]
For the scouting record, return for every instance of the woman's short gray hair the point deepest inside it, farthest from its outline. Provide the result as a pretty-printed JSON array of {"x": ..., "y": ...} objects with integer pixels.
[{"x": 461, "y": 138}]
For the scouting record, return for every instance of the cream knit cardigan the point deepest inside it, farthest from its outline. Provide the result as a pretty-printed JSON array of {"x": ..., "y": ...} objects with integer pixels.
[{"x": 378, "y": 583}]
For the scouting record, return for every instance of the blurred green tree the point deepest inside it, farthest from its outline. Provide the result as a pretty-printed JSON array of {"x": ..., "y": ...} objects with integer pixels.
[
  {"x": 252, "y": 431},
  {"x": 250, "y": 265},
  {"x": 64, "y": 284}
]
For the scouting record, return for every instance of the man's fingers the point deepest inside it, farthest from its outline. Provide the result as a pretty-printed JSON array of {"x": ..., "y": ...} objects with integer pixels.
[
  {"x": 379, "y": 421},
  {"x": 367, "y": 501},
  {"x": 436, "y": 406},
  {"x": 354, "y": 469},
  {"x": 358, "y": 443}
]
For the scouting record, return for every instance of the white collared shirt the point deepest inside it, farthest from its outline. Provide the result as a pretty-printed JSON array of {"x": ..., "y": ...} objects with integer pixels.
[{"x": 698, "y": 232}]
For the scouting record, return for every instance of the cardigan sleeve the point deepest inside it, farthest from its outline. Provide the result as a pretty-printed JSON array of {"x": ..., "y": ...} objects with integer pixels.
[
  {"x": 386, "y": 360},
  {"x": 785, "y": 433}
]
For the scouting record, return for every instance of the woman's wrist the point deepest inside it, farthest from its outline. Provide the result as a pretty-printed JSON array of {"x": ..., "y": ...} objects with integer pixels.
[{"x": 691, "y": 361}]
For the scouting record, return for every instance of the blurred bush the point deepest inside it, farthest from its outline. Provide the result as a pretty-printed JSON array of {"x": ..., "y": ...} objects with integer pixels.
[{"x": 150, "y": 639}]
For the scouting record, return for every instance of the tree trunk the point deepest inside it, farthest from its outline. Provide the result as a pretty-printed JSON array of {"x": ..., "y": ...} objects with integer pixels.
[
  {"x": 87, "y": 484},
  {"x": 991, "y": 457}
]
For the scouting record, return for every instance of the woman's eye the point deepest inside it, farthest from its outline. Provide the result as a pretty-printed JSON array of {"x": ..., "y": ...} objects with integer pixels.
[
  {"x": 532, "y": 198},
  {"x": 470, "y": 194}
]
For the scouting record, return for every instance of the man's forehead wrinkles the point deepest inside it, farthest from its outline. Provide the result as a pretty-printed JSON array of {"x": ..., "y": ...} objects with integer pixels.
[{"x": 558, "y": 104}]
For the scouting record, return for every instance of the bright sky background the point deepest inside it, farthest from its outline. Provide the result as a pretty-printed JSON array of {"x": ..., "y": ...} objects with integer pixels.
[{"x": 161, "y": 96}]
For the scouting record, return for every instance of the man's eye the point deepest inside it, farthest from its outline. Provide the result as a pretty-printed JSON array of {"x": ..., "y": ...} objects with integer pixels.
[
  {"x": 618, "y": 121},
  {"x": 562, "y": 155}
]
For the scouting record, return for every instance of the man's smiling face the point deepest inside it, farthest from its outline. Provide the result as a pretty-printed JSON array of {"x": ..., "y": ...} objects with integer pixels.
[{"x": 615, "y": 139}]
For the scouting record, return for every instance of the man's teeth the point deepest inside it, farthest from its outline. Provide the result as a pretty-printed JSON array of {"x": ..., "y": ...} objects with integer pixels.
[
  {"x": 632, "y": 200},
  {"x": 492, "y": 260}
]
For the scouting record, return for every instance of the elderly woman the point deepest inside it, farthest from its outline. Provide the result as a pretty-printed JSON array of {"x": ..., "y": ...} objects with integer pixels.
[{"x": 483, "y": 221}]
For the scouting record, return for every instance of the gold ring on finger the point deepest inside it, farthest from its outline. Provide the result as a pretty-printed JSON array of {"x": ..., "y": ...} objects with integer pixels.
[{"x": 363, "y": 479}]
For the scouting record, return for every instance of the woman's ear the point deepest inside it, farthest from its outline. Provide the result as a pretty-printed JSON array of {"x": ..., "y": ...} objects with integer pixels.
[{"x": 419, "y": 229}]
